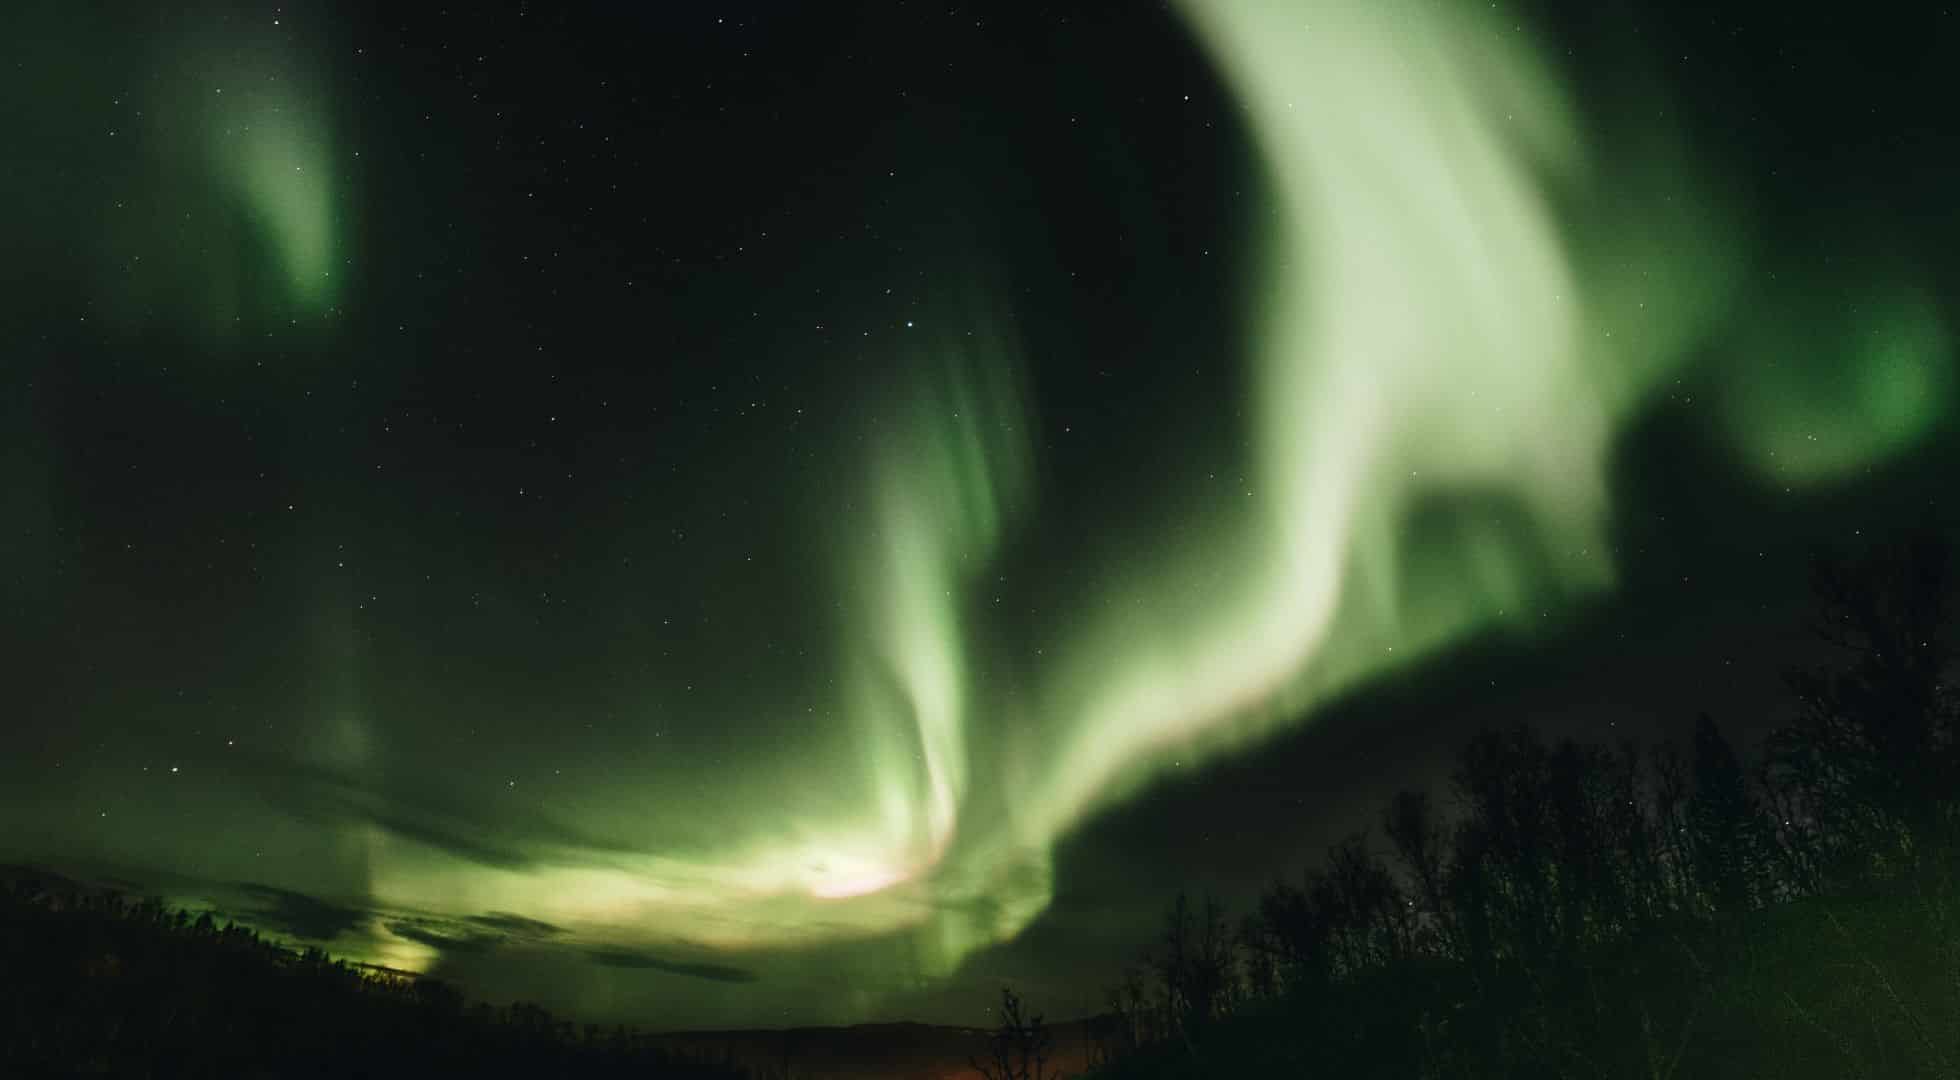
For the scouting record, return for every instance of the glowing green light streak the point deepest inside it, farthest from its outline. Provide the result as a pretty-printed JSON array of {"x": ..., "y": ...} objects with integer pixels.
[
  {"x": 273, "y": 154},
  {"x": 1423, "y": 334},
  {"x": 241, "y": 214},
  {"x": 266, "y": 138},
  {"x": 948, "y": 481},
  {"x": 1843, "y": 377},
  {"x": 1457, "y": 315}
]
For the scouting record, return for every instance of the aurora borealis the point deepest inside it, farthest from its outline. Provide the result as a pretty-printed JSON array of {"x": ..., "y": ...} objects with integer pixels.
[{"x": 715, "y": 515}]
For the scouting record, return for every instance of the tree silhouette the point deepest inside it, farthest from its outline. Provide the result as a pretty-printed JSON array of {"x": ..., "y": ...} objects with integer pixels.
[
  {"x": 1019, "y": 1046},
  {"x": 1195, "y": 965},
  {"x": 1574, "y": 909},
  {"x": 1421, "y": 844},
  {"x": 1726, "y": 826},
  {"x": 1872, "y": 760}
]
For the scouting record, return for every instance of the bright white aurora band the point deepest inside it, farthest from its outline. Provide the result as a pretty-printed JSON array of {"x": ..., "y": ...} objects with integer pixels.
[{"x": 1455, "y": 302}]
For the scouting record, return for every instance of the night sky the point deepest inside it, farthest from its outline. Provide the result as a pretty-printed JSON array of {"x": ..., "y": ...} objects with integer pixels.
[{"x": 746, "y": 515}]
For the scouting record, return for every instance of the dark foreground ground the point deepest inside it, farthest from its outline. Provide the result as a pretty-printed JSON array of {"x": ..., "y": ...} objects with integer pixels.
[{"x": 874, "y": 1051}]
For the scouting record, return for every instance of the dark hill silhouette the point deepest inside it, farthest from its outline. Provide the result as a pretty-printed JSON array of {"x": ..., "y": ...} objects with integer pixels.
[{"x": 95, "y": 984}]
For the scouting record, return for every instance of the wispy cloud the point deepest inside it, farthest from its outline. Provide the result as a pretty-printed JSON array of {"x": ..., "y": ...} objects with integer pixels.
[
  {"x": 514, "y": 925},
  {"x": 438, "y": 937},
  {"x": 629, "y": 958},
  {"x": 296, "y": 913}
]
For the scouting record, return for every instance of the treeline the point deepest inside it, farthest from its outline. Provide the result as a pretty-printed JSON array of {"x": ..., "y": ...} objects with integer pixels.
[
  {"x": 1618, "y": 911},
  {"x": 92, "y": 984}
]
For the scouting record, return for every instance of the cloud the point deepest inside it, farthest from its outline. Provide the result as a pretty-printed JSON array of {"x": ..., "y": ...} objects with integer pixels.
[
  {"x": 516, "y": 926},
  {"x": 445, "y": 821},
  {"x": 295, "y": 913},
  {"x": 35, "y": 875},
  {"x": 444, "y": 836},
  {"x": 472, "y": 933},
  {"x": 627, "y": 958},
  {"x": 428, "y": 934}
]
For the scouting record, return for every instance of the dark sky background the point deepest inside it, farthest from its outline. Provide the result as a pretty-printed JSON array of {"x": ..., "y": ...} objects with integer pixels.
[{"x": 744, "y": 515}]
